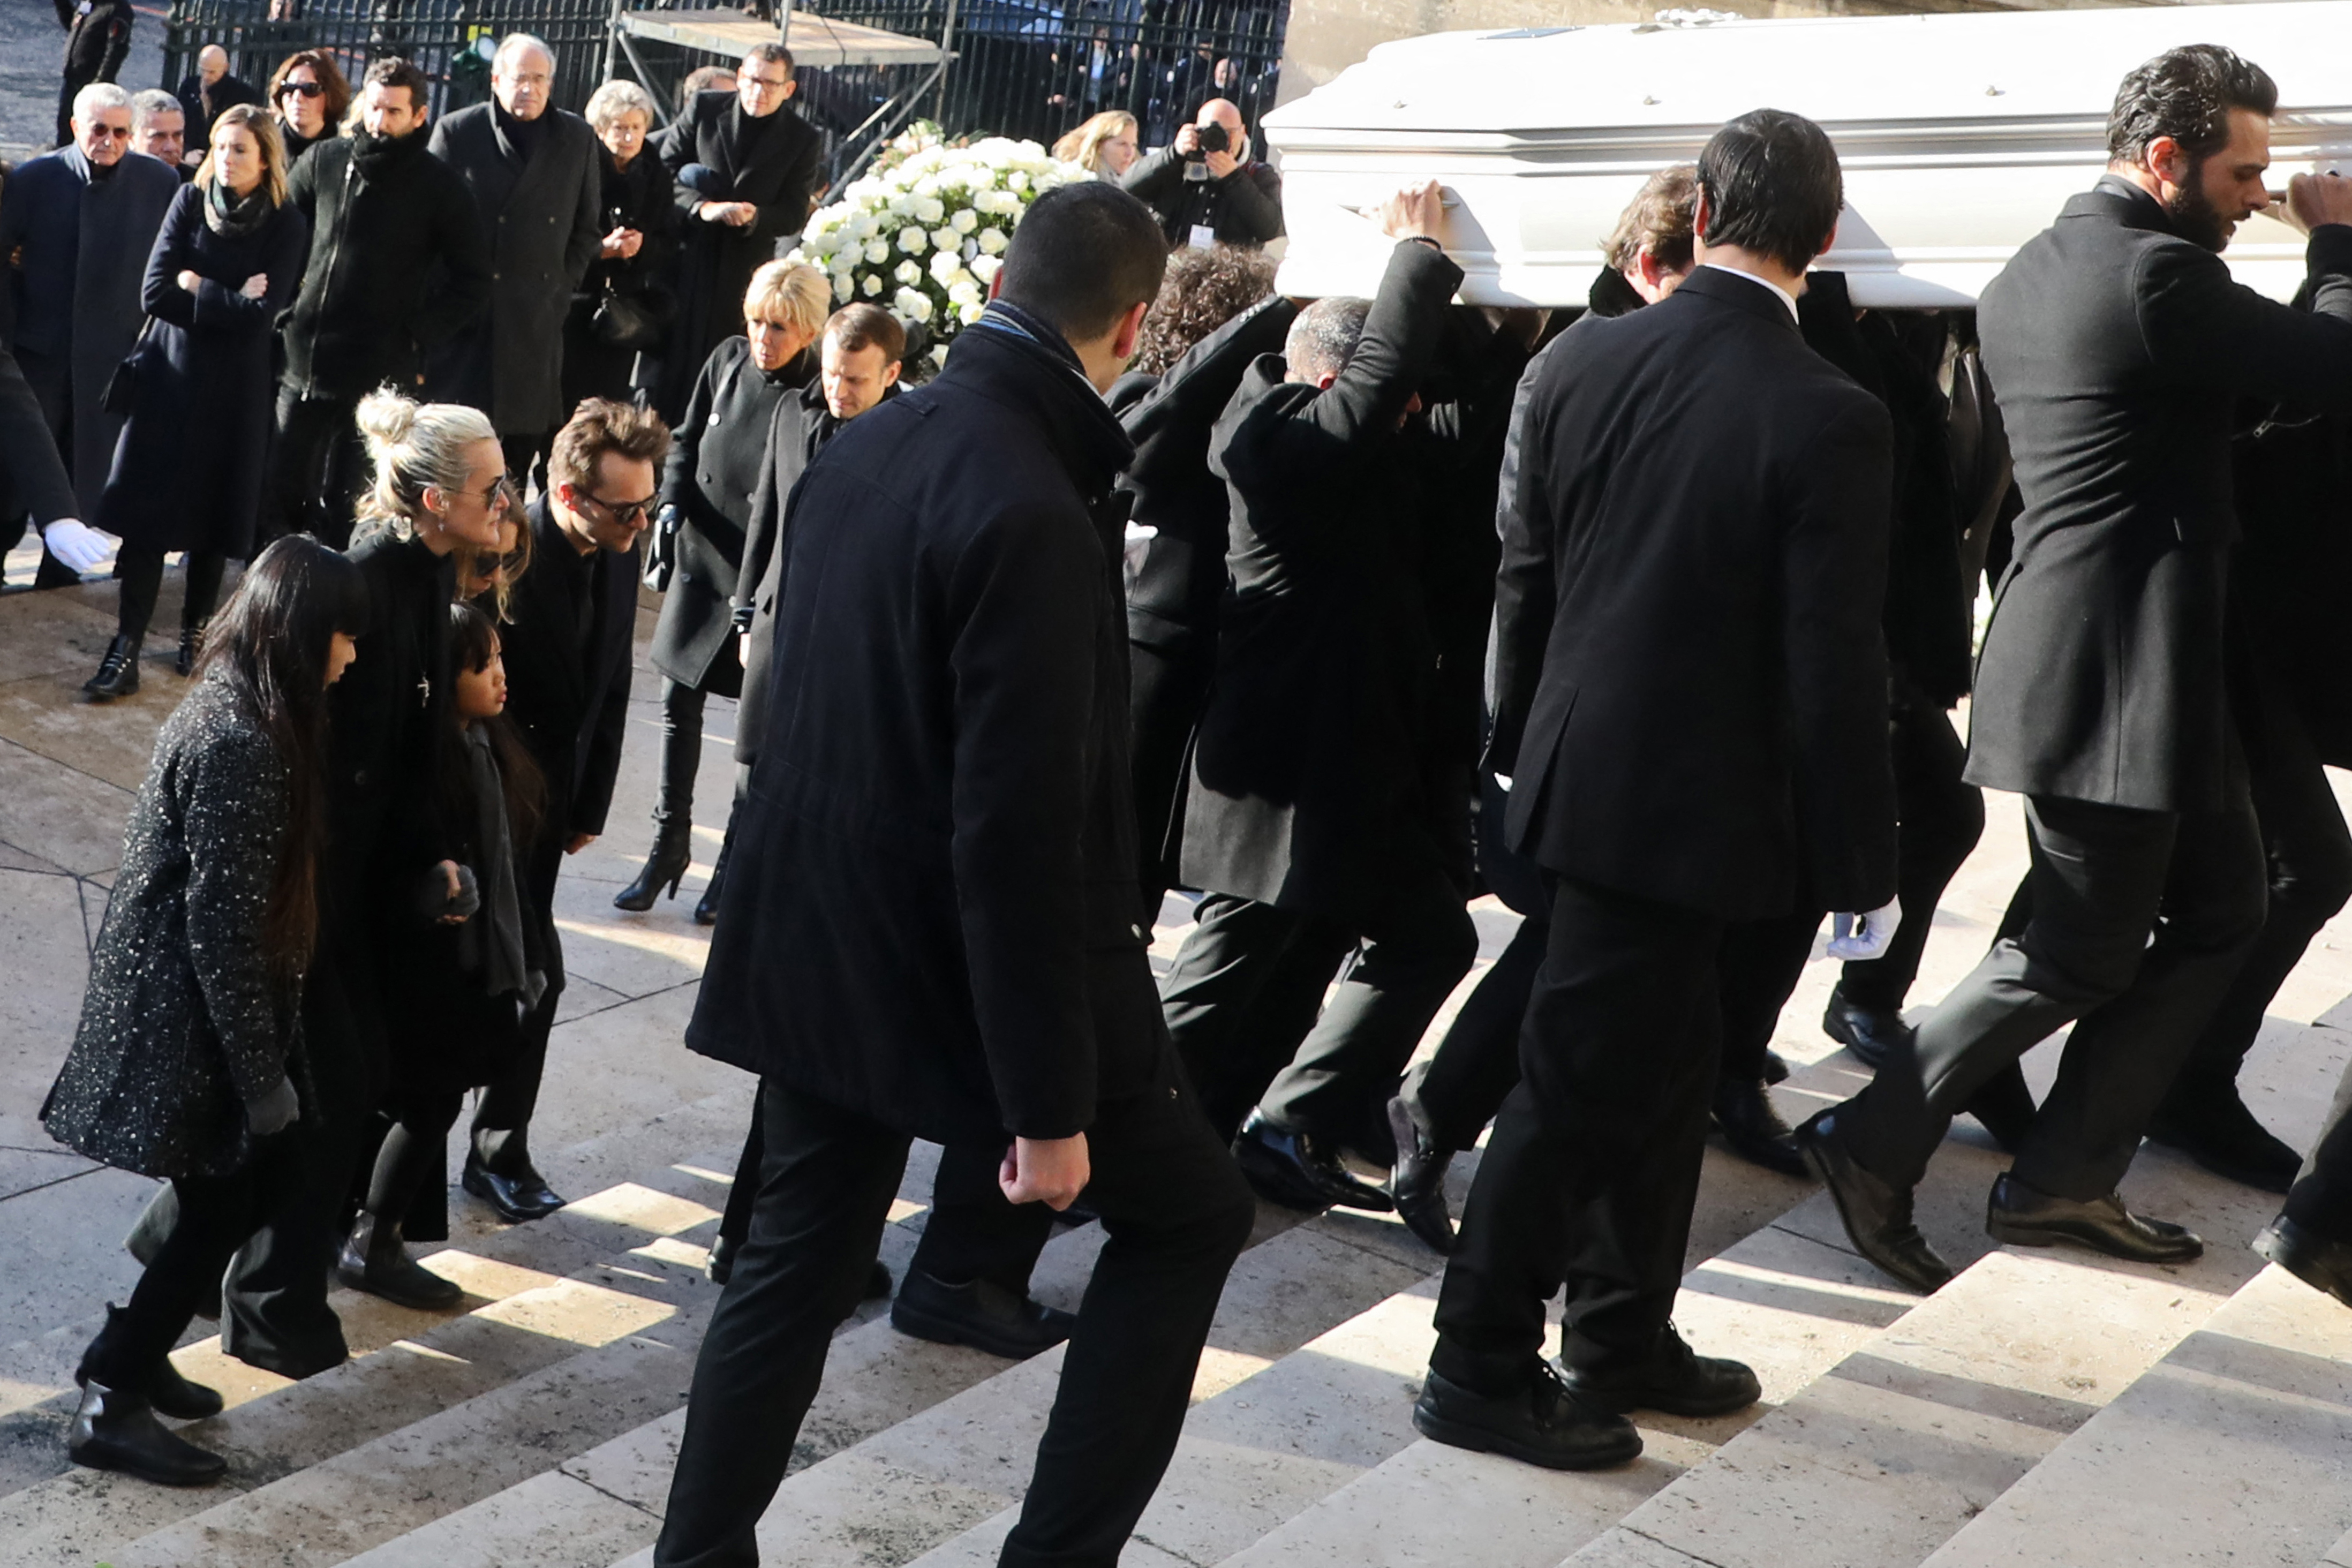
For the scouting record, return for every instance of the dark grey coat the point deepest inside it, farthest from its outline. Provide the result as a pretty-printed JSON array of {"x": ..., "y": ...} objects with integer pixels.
[
  {"x": 539, "y": 221},
  {"x": 2118, "y": 350},
  {"x": 73, "y": 293},
  {"x": 183, "y": 1021}
]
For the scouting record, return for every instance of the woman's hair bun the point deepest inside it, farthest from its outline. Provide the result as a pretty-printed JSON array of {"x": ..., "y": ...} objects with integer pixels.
[{"x": 386, "y": 419}]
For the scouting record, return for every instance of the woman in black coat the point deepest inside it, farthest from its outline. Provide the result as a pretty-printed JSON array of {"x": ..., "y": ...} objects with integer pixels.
[
  {"x": 188, "y": 467},
  {"x": 707, "y": 488},
  {"x": 309, "y": 97},
  {"x": 190, "y": 1060},
  {"x": 640, "y": 225}
]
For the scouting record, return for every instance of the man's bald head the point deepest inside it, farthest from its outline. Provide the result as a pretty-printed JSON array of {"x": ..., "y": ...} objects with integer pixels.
[
  {"x": 1222, "y": 111},
  {"x": 211, "y": 64}
]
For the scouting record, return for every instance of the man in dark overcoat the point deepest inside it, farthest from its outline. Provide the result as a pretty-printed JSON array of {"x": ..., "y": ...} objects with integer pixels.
[
  {"x": 536, "y": 175},
  {"x": 98, "y": 41},
  {"x": 745, "y": 164},
  {"x": 945, "y": 780},
  {"x": 1328, "y": 810},
  {"x": 1690, "y": 707},
  {"x": 568, "y": 652},
  {"x": 82, "y": 221},
  {"x": 34, "y": 487},
  {"x": 2118, "y": 346},
  {"x": 397, "y": 266}
]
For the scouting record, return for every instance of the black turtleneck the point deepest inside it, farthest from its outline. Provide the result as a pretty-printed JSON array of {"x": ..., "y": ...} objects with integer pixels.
[{"x": 522, "y": 135}]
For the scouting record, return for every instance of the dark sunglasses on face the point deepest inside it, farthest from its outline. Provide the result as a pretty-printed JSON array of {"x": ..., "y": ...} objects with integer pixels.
[
  {"x": 302, "y": 90},
  {"x": 622, "y": 513},
  {"x": 111, "y": 133}
]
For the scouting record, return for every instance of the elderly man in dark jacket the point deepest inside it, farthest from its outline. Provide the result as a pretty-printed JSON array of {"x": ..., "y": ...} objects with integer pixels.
[
  {"x": 397, "y": 266},
  {"x": 536, "y": 175},
  {"x": 80, "y": 221},
  {"x": 1210, "y": 192},
  {"x": 2119, "y": 347},
  {"x": 1328, "y": 812},
  {"x": 945, "y": 780},
  {"x": 746, "y": 166}
]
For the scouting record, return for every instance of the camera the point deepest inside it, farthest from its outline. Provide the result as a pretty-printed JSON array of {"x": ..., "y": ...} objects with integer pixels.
[{"x": 1212, "y": 137}]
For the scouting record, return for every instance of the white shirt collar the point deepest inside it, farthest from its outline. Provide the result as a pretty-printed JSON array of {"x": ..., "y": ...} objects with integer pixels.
[{"x": 1786, "y": 297}]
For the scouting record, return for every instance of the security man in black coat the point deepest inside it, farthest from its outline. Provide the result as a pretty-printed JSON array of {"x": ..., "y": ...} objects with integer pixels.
[
  {"x": 1691, "y": 707},
  {"x": 2118, "y": 346},
  {"x": 537, "y": 177},
  {"x": 945, "y": 780},
  {"x": 568, "y": 651}
]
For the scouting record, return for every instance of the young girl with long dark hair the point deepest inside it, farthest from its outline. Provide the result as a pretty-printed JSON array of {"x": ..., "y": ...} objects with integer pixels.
[{"x": 189, "y": 1061}]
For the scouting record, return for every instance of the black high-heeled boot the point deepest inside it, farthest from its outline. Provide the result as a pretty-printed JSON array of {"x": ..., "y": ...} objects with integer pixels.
[
  {"x": 673, "y": 852},
  {"x": 706, "y": 907},
  {"x": 191, "y": 639},
  {"x": 118, "y": 672}
]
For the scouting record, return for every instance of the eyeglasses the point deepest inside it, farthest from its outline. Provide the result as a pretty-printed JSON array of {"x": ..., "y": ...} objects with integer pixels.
[
  {"x": 748, "y": 80},
  {"x": 302, "y": 90},
  {"x": 622, "y": 513},
  {"x": 111, "y": 132},
  {"x": 530, "y": 79}
]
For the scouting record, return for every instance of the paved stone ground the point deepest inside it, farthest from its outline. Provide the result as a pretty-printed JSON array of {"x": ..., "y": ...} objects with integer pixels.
[{"x": 32, "y": 56}]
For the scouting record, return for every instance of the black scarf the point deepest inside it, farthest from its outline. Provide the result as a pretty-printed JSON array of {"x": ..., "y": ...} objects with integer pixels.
[
  {"x": 522, "y": 135},
  {"x": 740, "y": 136},
  {"x": 380, "y": 155},
  {"x": 233, "y": 219}
]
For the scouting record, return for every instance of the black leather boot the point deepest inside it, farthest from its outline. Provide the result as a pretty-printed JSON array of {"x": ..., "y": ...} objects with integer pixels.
[
  {"x": 673, "y": 852},
  {"x": 706, "y": 907},
  {"x": 114, "y": 1429},
  {"x": 191, "y": 638},
  {"x": 373, "y": 1260},
  {"x": 159, "y": 1383},
  {"x": 118, "y": 672}
]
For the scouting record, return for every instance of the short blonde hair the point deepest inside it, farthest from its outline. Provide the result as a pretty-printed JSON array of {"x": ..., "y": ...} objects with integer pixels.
[
  {"x": 614, "y": 99},
  {"x": 790, "y": 294},
  {"x": 1083, "y": 146}
]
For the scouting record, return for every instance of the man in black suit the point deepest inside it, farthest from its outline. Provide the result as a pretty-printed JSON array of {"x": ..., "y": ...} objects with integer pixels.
[
  {"x": 2118, "y": 346},
  {"x": 944, "y": 783},
  {"x": 1691, "y": 707},
  {"x": 536, "y": 175},
  {"x": 568, "y": 658}
]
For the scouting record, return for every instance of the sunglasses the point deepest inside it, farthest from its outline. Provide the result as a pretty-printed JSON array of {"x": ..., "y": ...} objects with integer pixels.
[
  {"x": 302, "y": 90},
  {"x": 111, "y": 133}
]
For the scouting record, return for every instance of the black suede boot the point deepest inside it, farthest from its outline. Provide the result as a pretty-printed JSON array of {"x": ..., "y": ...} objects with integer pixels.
[{"x": 673, "y": 852}]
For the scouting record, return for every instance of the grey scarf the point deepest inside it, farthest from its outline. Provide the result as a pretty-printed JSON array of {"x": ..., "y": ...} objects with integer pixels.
[{"x": 490, "y": 944}]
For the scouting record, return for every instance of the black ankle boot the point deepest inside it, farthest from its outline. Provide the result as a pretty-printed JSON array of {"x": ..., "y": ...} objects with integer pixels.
[
  {"x": 158, "y": 1383},
  {"x": 114, "y": 1429},
  {"x": 118, "y": 672},
  {"x": 191, "y": 638},
  {"x": 673, "y": 852},
  {"x": 706, "y": 907},
  {"x": 373, "y": 1260}
]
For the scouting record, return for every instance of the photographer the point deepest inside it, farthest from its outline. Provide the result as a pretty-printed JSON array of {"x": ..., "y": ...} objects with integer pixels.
[{"x": 1206, "y": 189}]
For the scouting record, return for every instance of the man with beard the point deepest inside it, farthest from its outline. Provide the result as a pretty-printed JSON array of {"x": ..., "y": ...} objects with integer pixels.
[{"x": 2119, "y": 347}]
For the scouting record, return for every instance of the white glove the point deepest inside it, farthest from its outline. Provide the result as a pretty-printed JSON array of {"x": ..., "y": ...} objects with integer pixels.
[
  {"x": 1865, "y": 936},
  {"x": 78, "y": 545}
]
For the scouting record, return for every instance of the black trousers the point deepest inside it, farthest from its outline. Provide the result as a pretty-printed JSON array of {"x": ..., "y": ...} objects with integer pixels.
[
  {"x": 1166, "y": 691},
  {"x": 317, "y": 468},
  {"x": 2139, "y": 923},
  {"x": 1942, "y": 818},
  {"x": 1593, "y": 1166},
  {"x": 1243, "y": 996},
  {"x": 212, "y": 1216},
  {"x": 2321, "y": 1200},
  {"x": 501, "y": 1130},
  {"x": 141, "y": 570},
  {"x": 973, "y": 1231},
  {"x": 1177, "y": 1214}
]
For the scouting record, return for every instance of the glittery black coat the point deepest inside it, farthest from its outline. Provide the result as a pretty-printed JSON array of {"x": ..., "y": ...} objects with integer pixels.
[{"x": 183, "y": 1020}]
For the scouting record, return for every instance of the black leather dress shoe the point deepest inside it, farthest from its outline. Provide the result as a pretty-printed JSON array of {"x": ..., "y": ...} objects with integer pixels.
[
  {"x": 2026, "y": 1216},
  {"x": 982, "y": 1314},
  {"x": 1543, "y": 1423},
  {"x": 518, "y": 1199},
  {"x": 1744, "y": 1114},
  {"x": 1869, "y": 1033},
  {"x": 1417, "y": 1181},
  {"x": 1876, "y": 1217},
  {"x": 116, "y": 1430},
  {"x": 1676, "y": 1381},
  {"x": 375, "y": 1260},
  {"x": 2209, "y": 1123},
  {"x": 1293, "y": 1169},
  {"x": 2322, "y": 1264}
]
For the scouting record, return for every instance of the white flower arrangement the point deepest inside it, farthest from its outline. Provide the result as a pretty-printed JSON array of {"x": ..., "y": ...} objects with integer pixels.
[{"x": 924, "y": 233}]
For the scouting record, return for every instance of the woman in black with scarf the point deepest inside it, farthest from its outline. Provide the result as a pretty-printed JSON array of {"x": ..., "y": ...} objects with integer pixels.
[
  {"x": 625, "y": 302},
  {"x": 188, "y": 467}
]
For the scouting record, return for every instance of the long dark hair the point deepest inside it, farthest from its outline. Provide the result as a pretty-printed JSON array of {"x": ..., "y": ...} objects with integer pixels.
[
  {"x": 270, "y": 643},
  {"x": 473, "y": 639}
]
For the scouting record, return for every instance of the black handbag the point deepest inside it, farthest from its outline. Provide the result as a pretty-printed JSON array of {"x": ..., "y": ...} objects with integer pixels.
[
  {"x": 624, "y": 323},
  {"x": 122, "y": 386}
]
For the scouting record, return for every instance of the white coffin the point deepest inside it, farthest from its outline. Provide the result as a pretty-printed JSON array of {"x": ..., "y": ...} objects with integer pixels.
[{"x": 1960, "y": 135}]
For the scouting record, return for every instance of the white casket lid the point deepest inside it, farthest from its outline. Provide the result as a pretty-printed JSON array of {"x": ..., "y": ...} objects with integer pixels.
[{"x": 1960, "y": 135}]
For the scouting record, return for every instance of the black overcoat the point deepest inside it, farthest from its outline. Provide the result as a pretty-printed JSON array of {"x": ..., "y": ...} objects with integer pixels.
[
  {"x": 538, "y": 223},
  {"x": 397, "y": 265},
  {"x": 76, "y": 251},
  {"x": 1306, "y": 766},
  {"x": 32, "y": 478},
  {"x": 1174, "y": 590},
  {"x": 2118, "y": 350},
  {"x": 713, "y": 478},
  {"x": 774, "y": 163},
  {"x": 188, "y": 467},
  {"x": 1690, "y": 684},
  {"x": 568, "y": 684},
  {"x": 185, "y": 1020},
  {"x": 227, "y": 93},
  {"x": 929, "y": 919},
  {"x": 637, "y": 197}
]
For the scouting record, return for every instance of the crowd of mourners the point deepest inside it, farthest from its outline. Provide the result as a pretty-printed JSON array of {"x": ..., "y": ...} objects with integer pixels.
[{"x": 1649, "y": 618}]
